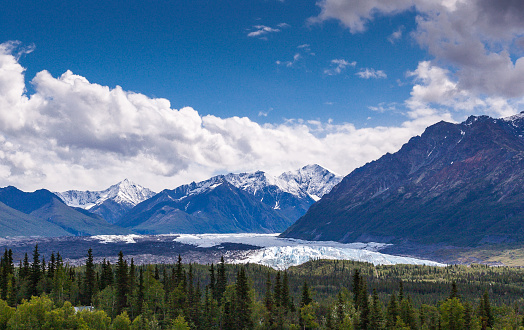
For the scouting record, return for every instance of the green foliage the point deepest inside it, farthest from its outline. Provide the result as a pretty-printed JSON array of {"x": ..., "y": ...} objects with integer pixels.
[
  {"x": 452, "y": 314},
  {"x": 122, "y": 322},
  {"x": 329, "y": 295}
]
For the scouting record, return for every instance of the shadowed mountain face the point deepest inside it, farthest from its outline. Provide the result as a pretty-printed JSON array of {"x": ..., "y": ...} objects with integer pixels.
[
  {"x": 232, "y": 203},
  {"x": 41, "y": 213},
  {"x": 459, "y": 184}
]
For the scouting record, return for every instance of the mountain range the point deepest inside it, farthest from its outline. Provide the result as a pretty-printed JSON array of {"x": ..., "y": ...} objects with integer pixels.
[
  {"x": 231, "y": 203},
  {"x": 460, "y": 184},
  {"x": 42, "y": 213},
  {"x": 245, "y": 202}
]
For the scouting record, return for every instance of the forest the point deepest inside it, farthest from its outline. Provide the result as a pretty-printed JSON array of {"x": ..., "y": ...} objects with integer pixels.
[{"x": 321, "y": 294}]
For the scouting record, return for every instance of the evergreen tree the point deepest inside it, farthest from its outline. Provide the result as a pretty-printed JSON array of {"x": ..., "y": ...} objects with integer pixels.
[
  {"x": 269, "y": 304},
  {"x": 212, "y": 281},
  {"x": 306, "y": 298},
  {"x": 89, "y": 279},
  {"x": 51, "y": 267},
  {"x": 340, "y": 311},
  {"x": 277, "y": 293},
  {"x": 35, "y": 272},
  {"x": 242, "y": 302},
  {"x": 454, "y": 290},
  {"x": 122, "y": 283},
  {"x": 221, "y": 280},
  {"x": 468, "y": 321},
  {"x": 179, "y": 272},
  {"x": 285, "y": 297},
  {"x": 407, "y": 313},
  {"x": 106, "y": 279},
  {"x": 376, "y": 317},
  {"x": 364, "y": 305},
  {"x": 392, "y": 312},
  {"x": 485, "y": 311},
  {"x": 24, "y": 268},
  {"x": 356, "y": 287},
  {"x": 400, "y": 291}
]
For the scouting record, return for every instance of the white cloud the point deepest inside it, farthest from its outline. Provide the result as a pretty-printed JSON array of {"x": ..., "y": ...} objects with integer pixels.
[
  {"x": 472, "y": 39},
  {"x": 291, "y": 63},
  {"x": 74, "y": 134},
  {"x": 261, "y": 30},
  {"x": 337, "y": 66},
  {"x": 371, "y": 73},
  {"x": 397, "y": 35}
]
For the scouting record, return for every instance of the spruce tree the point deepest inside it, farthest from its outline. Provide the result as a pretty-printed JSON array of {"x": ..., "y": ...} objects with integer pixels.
[
  {"x": 212, "y": 281},
  {"x": 242, "y": 302},
  {"x": 340, "y": 311},
  {"x": 376, "y": 317},
  {"x": 356, "y": 287},
  {"x": 454, "y": 290},
  {"x": 89, "y": 279},
  {"x": 121, "y": 282},
  {"x": 24, "y": 268},
  {"x": 221, "y": 280},
  {"x": 392, "y": 312},
  {"x": 285, "y": 297},
  {"x": 269, "y": 304},
  {"x": 468, "y": 321},
  {"x": 364, "y": 305},
  {"x": 306, "y": 298},
  {"x": 51, "y": 267},
  {"x": 277, "y": 293},
  {"x": 35, "y": 272},
  {"x": 485, "y": 312}
]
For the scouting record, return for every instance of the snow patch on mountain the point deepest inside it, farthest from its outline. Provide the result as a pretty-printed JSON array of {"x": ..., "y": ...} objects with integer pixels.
[{"x": 124, "y": 193}]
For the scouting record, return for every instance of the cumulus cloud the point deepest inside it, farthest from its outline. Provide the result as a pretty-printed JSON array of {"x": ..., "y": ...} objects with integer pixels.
[
  {"x": 75, "y": 134},
  {"x": 371, "y": 73},
  {"x": 337, "y": 66},
  {"x": 471, "y": 39}
]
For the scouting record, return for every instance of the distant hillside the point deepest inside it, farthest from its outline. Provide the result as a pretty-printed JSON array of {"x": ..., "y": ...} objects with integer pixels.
[
  {"x": 42, "y": 213},
  {"x": 459, "y": 184},
  {"x": 16, "y": 223},
  {"x": 246, "y": 202}
]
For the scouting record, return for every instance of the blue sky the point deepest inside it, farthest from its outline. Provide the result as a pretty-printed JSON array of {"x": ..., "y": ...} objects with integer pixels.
[
  {"x": 199, "y": 54},
  {"x": 210, "y": 87}
]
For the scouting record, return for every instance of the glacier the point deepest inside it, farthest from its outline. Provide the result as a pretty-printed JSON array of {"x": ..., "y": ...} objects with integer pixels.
[{"x": 282, "y": 253}]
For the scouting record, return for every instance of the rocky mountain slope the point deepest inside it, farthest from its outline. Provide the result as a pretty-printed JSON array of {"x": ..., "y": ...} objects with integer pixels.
[
  {"x": 460, "y": 184},
  {"x": 41, "y": 213},
  {"x": 246, "y": 202},
  {"x": 112, "y": 203}
]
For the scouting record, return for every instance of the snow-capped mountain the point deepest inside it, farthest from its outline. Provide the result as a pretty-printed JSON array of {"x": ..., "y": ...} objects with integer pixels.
[
  {"x": 312, "y": 181},
  {"x": 257, "y": 202},
  {"x": 111, "y": 203}
]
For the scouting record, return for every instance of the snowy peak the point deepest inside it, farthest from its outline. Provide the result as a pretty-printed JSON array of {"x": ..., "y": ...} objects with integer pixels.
[
  {"x": 313, "y": 180},
  {"x": 125, "y": 193}
]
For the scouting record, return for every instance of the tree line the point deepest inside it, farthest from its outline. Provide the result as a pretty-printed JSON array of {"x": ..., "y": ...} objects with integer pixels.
[{"x": 320, "y": 294}]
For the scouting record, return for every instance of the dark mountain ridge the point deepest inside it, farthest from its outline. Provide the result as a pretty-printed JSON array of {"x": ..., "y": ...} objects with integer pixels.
[
  {"x": 459, "y": 184},
  {"x": 42, "y": 213}
]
